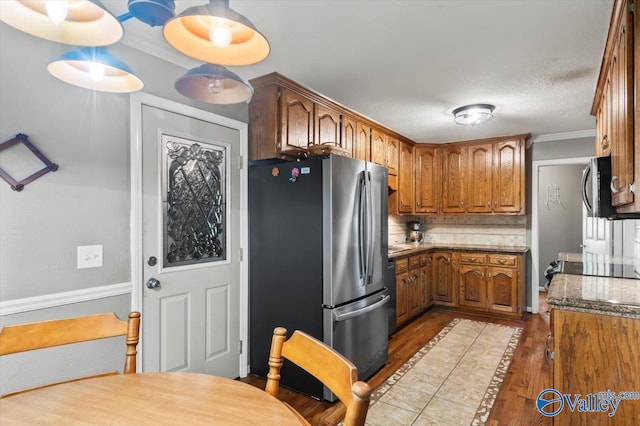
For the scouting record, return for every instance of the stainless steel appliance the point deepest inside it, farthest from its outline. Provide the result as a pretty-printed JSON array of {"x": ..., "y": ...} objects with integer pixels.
[
  {"x": 415, "y": 235},
  {"x": 596, "y": 190},
  {"x": 318, "y": 262}
]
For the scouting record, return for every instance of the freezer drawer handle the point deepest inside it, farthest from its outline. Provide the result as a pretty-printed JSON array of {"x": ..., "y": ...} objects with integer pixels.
[{"x": 358, "y": 312}]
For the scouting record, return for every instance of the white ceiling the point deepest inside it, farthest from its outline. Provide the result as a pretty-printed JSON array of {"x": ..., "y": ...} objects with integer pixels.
[{"x": 408, "y": 63}]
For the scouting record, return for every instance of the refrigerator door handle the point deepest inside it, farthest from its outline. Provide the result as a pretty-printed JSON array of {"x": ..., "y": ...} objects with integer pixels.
[
  {"x": 585, "y": 181},
  {"x": 370, "y": 241},
  {"x": 352, "y": 314},
  {"x": 362, "y": 260}
]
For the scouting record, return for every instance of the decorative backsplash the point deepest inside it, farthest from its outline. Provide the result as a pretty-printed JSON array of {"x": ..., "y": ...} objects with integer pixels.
[{"x": 480, "y": 230}]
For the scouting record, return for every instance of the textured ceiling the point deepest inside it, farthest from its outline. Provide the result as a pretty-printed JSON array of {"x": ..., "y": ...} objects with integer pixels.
[{"x": 408, "y": 63}]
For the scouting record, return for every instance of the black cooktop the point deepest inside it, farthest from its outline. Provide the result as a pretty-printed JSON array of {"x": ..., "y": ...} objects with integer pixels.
[{"x": 615, "y": 270}]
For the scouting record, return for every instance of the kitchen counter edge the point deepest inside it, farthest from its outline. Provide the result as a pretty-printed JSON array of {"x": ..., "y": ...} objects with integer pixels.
[
  {"x": 599, "y": 295},
  {"x": 420, "y": 248}
]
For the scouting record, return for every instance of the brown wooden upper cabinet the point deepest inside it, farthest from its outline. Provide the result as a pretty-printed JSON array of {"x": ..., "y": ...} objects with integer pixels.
[
  {"x": 454, "y": 159},
  {"x": 479, "y": 178},
  {"x": 297, "y": 123},
  {"x": 362, "y": 145},
  {"x": 428, "y": 178},
  {"x": 327, "y": 126},
  {"x": 384, "y": 150},
  {"x": 405, "y": 178},
  {"x": 614, "y": 105},
  {"x": 286, "y": 119}
]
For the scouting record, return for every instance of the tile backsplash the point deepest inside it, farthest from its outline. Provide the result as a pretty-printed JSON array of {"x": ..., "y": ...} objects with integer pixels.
[{"x": 480, "y": 230}]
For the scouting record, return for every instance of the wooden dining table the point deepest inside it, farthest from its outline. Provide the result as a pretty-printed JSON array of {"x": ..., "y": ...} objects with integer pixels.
[{"x": 148, "y": 398}]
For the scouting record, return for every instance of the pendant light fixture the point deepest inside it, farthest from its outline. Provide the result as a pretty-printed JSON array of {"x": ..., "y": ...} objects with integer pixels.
[
  {"x": 75, "y": 22},
  {"x": 217, "y": 34},
  {"x": 471, "y": 115},
  {"x": 95, "y": 69},
  {"x": 214, "y": 84}
]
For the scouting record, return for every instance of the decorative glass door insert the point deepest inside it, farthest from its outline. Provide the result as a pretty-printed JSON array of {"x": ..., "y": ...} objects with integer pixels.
[{"x": 194, "y": 188}]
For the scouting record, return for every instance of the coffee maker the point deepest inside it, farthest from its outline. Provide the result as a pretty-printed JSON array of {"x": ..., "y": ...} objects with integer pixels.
[{"x": 414, "y": 234}]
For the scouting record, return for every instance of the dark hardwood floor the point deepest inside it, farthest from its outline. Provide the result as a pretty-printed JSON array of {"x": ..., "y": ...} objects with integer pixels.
[{"x": 515, "y": 405}]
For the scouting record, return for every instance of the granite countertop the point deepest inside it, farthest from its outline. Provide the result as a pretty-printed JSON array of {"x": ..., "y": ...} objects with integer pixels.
[
  {"x": 602, "y": 295},
  {"x": 407, "y": 249},
  {"x": 580, "y": 257}
]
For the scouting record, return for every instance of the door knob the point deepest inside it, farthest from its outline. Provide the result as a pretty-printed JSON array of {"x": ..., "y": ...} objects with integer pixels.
[{"x": 153, "y": 283}]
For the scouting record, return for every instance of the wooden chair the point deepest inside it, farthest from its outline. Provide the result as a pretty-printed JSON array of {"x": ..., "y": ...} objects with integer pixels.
[
  {"x": 45, "y": 334},
  {"x": 324, "y": 363}
]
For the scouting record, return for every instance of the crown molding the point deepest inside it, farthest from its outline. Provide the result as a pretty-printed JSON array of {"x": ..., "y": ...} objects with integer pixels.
[{"x": 551, "y": 137}]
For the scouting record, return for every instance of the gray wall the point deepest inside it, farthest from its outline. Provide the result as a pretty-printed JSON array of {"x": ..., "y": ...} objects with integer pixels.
[
  {"x": 560, "y": 225},
  {"x": 87, "y": 201}
]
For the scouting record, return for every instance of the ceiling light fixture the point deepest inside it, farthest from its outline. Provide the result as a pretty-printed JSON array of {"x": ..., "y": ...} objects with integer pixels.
[
  {"x": 217, "y": 34},
  {"x": 214, "y": 84},
  {"x": 94, "y": 68},
  {"x": 471, "y": 115},
  {"x": 75, "y": 22}
]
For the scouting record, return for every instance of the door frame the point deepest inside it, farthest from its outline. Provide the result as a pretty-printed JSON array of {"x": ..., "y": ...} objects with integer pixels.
[
  {"x": 137, "y": 100},
  {"x": 535, "y": 240}
]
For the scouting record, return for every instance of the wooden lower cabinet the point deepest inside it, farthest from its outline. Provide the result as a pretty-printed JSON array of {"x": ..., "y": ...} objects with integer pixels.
[
  {"x": 472, "y": 285},
  {"x": 487, "y": 283},
  {"x": 443, "y": 279},
  {"x": 591, "y": 353}
]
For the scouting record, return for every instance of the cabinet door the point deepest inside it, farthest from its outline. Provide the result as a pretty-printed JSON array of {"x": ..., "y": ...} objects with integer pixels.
[
  {"x": 622, "y": 137},
  {"x": 297, "y": 123},
  {"x": 327, "y": 126},
  {"x": 350, "y": 136},
  {"x": 405, "y": 179},
  {"x": 508, "y": 188},
  {"x": 414, "y": 293},
  {"x": 402, "y": 298},
  {"x": 472, "y": 286},
  {"x": 453, "y": 182},
  {"x": 378, "y": 147},
  {"x": 428, "y": 180},
  {"x": 442, "y": 279},
  {"x": 426, "y": 273},
  {"x": 362, "y": 147},
  {"x": 392, "y": 153},
  {"x": 479, "y": 172},
  {"x": 503, "y": 290},
  {"x": 603, "y": 121}
]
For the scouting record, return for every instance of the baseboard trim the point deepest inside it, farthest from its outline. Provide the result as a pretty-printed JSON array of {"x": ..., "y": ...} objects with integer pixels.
[{"x": 17, "y": 306}]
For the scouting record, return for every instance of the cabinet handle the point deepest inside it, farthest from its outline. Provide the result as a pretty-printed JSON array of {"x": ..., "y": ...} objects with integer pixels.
[
  {"x": 614, "y": 190},
  {"x": 604, "y": 143},
  {"x": 495, "y": 203},
  {"x": 419, "y": 204},
  {"x": 472, "y": 259},
  {"x": 489, "y": 204},
  {"x": 549, "y": 355}
]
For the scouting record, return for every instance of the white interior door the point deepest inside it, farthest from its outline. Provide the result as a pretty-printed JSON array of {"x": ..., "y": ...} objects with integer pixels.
[
  {"x": 190, "y": 244},
  {"x": 597, "y": 242}
]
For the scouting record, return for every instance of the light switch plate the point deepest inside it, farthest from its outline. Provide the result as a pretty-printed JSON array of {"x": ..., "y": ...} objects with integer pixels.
[{"x": 89, "y": 256}]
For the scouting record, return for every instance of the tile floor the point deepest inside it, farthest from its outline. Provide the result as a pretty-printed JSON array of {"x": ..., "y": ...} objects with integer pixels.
[{"x": 453, "y": 380}]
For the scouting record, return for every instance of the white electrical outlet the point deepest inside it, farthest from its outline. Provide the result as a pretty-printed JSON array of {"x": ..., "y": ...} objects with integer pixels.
[{"x": 89, "y": 256}]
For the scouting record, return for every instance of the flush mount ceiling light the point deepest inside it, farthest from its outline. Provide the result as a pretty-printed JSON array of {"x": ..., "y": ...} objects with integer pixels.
[
  {"x": 75, "y": 22},
  {"x": 94, "y": 68},
  {"x": 471, "y": 115},
  {"x": 217, "y": 34},
  {"x": 214, "y": 84}
]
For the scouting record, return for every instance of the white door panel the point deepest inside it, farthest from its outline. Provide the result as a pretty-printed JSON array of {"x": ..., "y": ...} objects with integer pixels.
[{"x": 190, "y": 186}]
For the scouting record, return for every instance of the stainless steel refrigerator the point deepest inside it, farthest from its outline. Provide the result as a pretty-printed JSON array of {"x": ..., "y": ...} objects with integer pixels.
[{"x": 317, "y": 262}]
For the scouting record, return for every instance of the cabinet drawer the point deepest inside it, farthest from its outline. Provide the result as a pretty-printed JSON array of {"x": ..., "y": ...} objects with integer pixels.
[
  {"x": 503, "y": 260},
  {"x": 402, "y": 265},
  {"x": 473, "y": 258},
  {"x": 414, "y": 262}
]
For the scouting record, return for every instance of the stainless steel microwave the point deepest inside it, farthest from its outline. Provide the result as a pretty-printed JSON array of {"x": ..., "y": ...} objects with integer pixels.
[{"x": 596, "y": 190}]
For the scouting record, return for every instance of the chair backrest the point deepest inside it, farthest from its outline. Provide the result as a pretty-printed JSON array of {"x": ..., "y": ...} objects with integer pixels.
[
  {"x": 45, "y": 334},
  {"x": 324, "y": 363}
]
